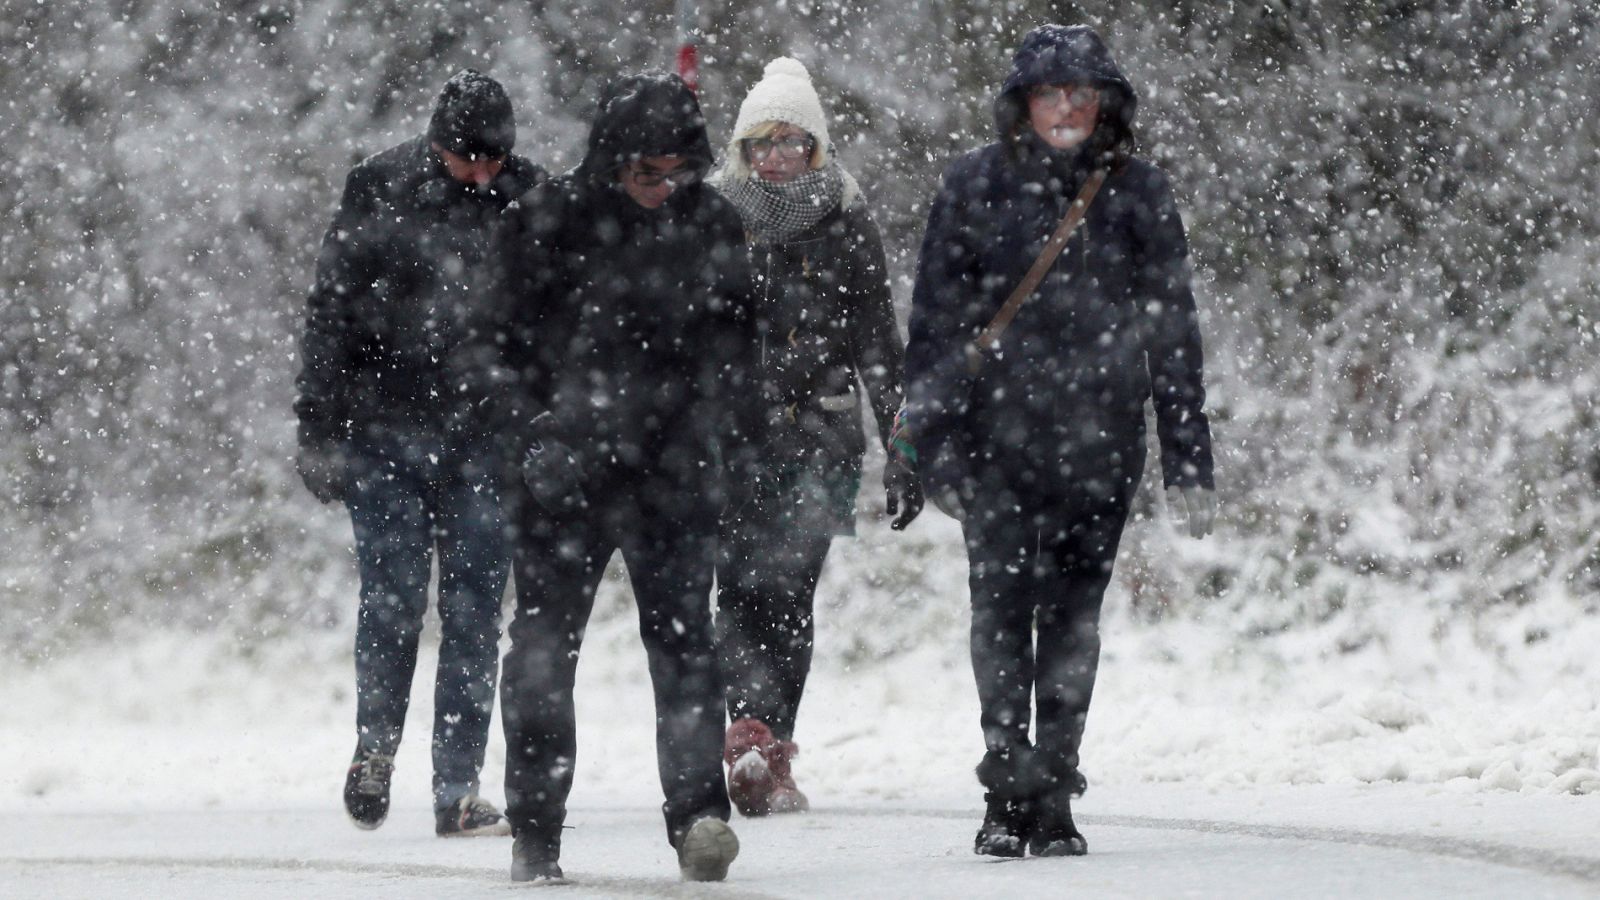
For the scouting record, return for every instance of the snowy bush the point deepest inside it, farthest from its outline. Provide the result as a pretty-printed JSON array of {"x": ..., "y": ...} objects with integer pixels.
[{"x": 1392, "y": 210}]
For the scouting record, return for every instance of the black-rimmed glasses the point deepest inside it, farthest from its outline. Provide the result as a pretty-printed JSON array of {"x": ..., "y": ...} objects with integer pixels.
[
  {"x": 1076, "y": 96},
  {"x": 644, "y": 176},
  {"x": 792, "y": 147}
]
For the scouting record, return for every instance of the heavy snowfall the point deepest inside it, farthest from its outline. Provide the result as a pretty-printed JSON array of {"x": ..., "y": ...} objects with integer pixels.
[{"x": 1378, "y": 676}]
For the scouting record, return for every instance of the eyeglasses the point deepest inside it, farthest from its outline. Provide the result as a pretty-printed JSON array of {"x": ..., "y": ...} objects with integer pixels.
[
  {"x": 792, "y": 147},
  {"x": 1075, "y": 96},
  {"x": 647, "y": 177}
]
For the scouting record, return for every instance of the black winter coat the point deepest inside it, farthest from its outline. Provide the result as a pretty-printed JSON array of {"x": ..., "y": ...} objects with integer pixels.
[
  {"x": 631, "y": 326},
  {"x": 825, "y": 320},
  {"x": 1059, "y": 403},
  {"x": 392, "y": 295},
  {"x": 1112, "y": 325}
]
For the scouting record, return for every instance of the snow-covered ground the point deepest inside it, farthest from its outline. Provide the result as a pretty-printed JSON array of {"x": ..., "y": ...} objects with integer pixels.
[
  {"x": 1332, "y": 846},
  {"x": 195, "y": 765}
]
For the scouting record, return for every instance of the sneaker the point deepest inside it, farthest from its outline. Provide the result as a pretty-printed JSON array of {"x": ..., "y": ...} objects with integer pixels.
[
  {"x": 1007, "y": 823},
  {"x": 759, "y": 778},
  {"x": 366, "y": 789},
  {"x": 471, "y": 816},
  {"x": 533, "y": 859},
  {"x": 707, "y": 849},
  {"x": 1053, "y": 833}
]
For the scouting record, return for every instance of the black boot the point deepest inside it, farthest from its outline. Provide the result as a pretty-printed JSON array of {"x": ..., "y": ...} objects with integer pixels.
[
  {"x": 1013, "y": 778},
  {"x": 536, "y": 858},
  {"x": 1007, "y": 823},
  {"x": 1053, "y": 833}
]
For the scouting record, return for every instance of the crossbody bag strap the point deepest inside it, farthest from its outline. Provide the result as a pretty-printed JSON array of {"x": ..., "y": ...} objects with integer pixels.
[{"x": 1041, "y": 266}]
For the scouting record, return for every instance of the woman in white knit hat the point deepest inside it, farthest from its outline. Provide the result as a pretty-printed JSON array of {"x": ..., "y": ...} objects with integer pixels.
[{"x": 827, "y": 330}]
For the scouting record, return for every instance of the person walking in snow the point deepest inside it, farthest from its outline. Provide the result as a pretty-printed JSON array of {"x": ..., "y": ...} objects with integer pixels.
[
  {"x": 824, "y": 323},
  {"x": 1035, "y": 441},
  {"x": 626, "y": 288},
  {"x": 381, "y": 431}
]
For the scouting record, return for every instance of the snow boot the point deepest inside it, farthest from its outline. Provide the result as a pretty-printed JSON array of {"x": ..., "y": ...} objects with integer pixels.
[
  {"x": 471, "y": 816},
  {"x": 706, "y": 849},
  {"x": 534, "y": 858},
  {"x": 366, "y": 788},
  {"x": 1053, "y": 833},
  {"x": 1012, "y": 777},
  {"x": 786, "y": 798},
  {"x": 1007, "y": 822},
  {"x": 759, "y": 778}
]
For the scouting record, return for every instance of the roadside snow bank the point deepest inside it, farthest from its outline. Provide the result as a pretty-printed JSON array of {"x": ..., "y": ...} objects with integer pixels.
[{"x": 164, "y": 720}]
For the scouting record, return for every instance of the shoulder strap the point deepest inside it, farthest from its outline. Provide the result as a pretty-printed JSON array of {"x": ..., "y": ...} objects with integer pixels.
[{"x": 1041, "y": 266}]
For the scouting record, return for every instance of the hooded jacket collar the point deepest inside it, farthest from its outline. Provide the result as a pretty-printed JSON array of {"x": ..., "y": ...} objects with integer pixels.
[
  {"x": 652, "y": 114},
  {"x": 1061, "y": 54}
]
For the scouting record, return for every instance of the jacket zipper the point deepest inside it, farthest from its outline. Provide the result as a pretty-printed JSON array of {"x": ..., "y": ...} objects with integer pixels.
[{"x": 766, "y": 303}]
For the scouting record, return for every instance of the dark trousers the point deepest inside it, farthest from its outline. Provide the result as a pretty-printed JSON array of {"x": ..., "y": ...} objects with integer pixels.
[
  {"x": 1038, "y": 570},
  {"x": 411, "y": 496},
  {"x": 767, "y": 571},
  {"x": 559, "y": 563}
]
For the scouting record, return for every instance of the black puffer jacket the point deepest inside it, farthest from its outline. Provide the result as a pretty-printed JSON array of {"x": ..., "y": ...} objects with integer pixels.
[
  {"x": 392, "y": 295},
  {"x": 632, "y": 326},
  {"x": 1111, "y": 326},
  {"x": 825, "y": 321}
]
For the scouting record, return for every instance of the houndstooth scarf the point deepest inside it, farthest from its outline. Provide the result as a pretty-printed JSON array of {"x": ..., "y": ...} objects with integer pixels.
[{"x": 775, "y": 213}]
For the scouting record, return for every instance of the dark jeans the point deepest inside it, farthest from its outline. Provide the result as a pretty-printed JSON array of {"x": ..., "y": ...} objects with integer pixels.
[
  {"x": 767, "y": 573},
  {"x": 409, "y": 497},
  {"x": 1039, "y": 568},
  {"x": 559, "y": 563}
]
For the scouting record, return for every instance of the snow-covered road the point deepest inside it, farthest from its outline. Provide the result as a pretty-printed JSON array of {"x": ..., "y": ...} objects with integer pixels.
[{"x": 1145, "y": 841}]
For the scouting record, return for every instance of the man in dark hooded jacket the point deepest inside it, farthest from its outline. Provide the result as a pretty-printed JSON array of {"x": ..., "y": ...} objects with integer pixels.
[
  {"x": 626, "y": 293},
  {"x": 383, "y": 430},
  {"x": 1040, "y": 452}
]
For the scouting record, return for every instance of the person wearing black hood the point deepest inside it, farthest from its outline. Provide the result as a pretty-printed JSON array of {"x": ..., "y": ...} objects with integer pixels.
[
  {"x": 625, "y": 289},
  {"x": 1035, "y": 439},
  {"x": 381, "y": 431}
]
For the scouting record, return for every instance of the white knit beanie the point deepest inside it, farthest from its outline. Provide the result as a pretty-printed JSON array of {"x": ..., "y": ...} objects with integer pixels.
[{"x": 784, "y": 94}]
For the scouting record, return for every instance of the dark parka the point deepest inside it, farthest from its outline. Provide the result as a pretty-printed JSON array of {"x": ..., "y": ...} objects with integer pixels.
[
  {"x": 393, "y": 298},
  {"x": 1111, "y": 326},
  {"x": 630, "y": 326},
  {"x": 824, "y": 318}
]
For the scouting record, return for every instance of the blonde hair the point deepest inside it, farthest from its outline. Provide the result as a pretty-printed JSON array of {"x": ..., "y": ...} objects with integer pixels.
[{"x": 765, "y": 130}]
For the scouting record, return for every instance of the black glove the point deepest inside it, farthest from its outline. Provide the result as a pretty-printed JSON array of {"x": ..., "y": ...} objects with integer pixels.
[
  {"x": 904, "y": 491},
  {"x": 553, "y": 476},
  {"x": 900, "y": 479},
  {"x": 955, "y": 490},
  {"x": 746, "y": 478},
  {"x": 324, "y": 469}
]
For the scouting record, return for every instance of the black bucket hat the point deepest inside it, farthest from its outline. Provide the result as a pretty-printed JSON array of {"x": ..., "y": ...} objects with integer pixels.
[{"x": 473, "y": 116}]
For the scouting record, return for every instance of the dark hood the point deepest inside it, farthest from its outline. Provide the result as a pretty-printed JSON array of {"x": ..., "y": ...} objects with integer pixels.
[
  {"x": 1063, "y": 54},
  {"x": 652, "y": 114}
]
